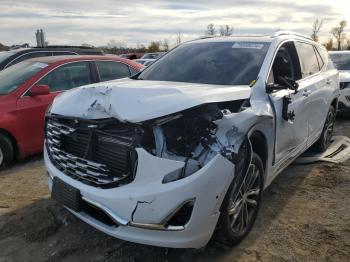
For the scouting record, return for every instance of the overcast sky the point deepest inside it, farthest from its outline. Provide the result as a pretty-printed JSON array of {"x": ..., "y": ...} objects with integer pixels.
[{"x": 139, "y": 22}]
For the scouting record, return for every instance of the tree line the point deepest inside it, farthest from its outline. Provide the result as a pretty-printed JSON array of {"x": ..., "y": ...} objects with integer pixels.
[{"x": 337, "y": 40}]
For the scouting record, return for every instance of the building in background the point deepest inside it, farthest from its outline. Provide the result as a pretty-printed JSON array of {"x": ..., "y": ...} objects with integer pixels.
[{"x": 40, "y": 38}]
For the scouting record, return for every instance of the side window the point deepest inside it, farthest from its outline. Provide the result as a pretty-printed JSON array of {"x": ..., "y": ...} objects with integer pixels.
[
  {"x": 68, "y": 76},
  {"x": 63, "y": 53},
  {"x": 28, "y": 56},
  {"x": 285, "y": 65},
  {"x": 109, "y": 70},
  {"x": 308, "y": 59}
]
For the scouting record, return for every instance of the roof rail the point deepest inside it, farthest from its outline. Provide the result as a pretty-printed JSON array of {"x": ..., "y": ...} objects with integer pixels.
[
  {"x": 279, "y": 33},
  {"x": 64, "y": 46}
]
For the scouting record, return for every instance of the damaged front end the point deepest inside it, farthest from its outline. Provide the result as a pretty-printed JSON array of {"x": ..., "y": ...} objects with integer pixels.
[
  {"x": 102, "y": 153},
  {"x": 141, "y": 181}
]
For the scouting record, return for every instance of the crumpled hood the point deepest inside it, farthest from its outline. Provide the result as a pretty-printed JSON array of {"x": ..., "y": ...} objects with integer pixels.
[
  {"x": 344, "y": 76},
  {"x": 139, "y": 100}
]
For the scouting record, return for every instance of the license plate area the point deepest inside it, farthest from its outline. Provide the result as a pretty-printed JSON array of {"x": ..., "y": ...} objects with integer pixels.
[{"x": 66, "y": 194}]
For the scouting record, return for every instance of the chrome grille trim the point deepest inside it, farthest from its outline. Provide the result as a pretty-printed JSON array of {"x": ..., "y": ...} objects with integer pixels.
[{"x": 79, "y": 168}]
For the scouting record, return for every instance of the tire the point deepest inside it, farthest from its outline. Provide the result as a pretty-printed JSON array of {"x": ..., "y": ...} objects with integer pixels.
[
  {"x": 232, "y": 226},
  {"x": 326, "y": 136},
  {"x": 6, "y": 151}
]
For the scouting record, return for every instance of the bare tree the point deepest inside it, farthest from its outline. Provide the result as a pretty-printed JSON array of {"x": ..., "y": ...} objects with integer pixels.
[
  {"x": 316, "y": 28},
  {"x": 178, "y": 38},
  {"x": 165, "y": 45},
  {"x": 154, "y": 47},
  {"x": 140, "y": 48},
  {"x": 210, "y": 30},
  {"x": 226, "y": 30},
  {"x": 338, "y": 33},
  {"x": 329, "y": 44},
  {"x": 116, "y": 45}
]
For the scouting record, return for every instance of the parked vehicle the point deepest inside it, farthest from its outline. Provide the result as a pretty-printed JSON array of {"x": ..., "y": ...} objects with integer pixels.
[
  {"x": 341, "y": 60},
  {"x": 188, "y": 145},
  {"x": 12, "y": 57},
  {"x": 145, "y": 62},
  {"x": 154, "y": 55},
  {"x": 27, "y": 88},
  {"x": 131, "y": 56}
]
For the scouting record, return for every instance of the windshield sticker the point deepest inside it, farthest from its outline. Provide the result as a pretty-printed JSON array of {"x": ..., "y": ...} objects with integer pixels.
[
  {"x": 248, "y": 45},
  {"x": 40, "y": 65}
]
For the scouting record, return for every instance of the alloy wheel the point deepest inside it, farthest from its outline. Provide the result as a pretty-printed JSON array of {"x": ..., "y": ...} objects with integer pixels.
[
  {"x": 1, "y": 157},
  {"x": 329, "y": 126},
  {"x": 244, "y": 205}
]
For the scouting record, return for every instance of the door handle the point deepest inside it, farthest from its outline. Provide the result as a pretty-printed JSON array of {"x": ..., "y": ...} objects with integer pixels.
[
  {"x": 306, "y": 93},
  {"x": 329, "y": 81}
]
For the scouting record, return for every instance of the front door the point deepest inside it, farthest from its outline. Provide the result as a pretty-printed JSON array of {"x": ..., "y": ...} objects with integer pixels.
[
  {"x": 31, "y": 110},
  {"x": 291, "y": 121}
]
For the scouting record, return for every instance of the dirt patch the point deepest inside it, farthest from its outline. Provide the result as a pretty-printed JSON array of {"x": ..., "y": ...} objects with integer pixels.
[{"x": 305, "y": 216}]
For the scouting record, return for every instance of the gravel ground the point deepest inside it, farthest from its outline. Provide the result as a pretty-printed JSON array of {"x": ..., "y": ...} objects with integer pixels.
[{"x": 305, "y": 216}]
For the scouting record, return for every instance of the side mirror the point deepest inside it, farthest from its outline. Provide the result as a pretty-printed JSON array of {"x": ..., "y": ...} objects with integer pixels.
[
  {"x": 287, "y": 83},
  {"x": 273, "y": 87},
  {"x": 38, "y": 90}
]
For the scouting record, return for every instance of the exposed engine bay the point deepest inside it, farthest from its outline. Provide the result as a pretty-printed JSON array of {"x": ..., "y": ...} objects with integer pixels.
[{"x": 193, "y": 136}]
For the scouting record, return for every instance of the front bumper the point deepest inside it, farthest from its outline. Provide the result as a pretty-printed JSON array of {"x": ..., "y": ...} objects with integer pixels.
[{"x": 146, "y": 201}]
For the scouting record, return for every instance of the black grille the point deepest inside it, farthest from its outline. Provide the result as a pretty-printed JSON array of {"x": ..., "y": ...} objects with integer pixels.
[{"x": 99, "y": 153}]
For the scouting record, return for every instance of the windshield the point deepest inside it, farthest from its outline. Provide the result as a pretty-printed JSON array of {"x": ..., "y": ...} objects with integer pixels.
[
  {"x": 4, "y": 55},
  {"x": 218, "y": 63},
  {"x": 11, "y": 78},
  {"x": 341, "y": 61}
]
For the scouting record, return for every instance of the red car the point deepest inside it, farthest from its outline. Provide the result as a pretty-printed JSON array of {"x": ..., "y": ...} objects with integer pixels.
[{"x": 27, "y": 88}]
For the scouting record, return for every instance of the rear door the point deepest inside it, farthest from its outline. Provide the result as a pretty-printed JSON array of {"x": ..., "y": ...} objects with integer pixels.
[
  {"x": 316, "y": 84},
  {"x": 31, "y": 110}
]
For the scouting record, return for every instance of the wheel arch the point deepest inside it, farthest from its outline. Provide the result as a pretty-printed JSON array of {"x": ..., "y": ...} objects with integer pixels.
[
  {"x": 259, "y": 145},
  {"x": 13, "y": 142},
  {"x": 334, "y": 103}
]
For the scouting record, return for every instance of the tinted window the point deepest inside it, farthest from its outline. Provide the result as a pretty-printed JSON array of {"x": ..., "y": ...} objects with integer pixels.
[
  {"x": 341, "y": 60},
  {"x": 4, "y": 55},
  {"x": 220, "y": 63},
  {"x": 68, "y": 76},
  {"x": 14, "y": 76},
  {"x": 285, "y": 65},
  {"x": 109, "y": 70},
  {"x": 28, "y": 56},
  {"x": 308, "y": 59}
]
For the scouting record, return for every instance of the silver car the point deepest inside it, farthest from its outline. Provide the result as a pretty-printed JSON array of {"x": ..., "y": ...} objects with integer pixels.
[{"x": 341, "y": 60}]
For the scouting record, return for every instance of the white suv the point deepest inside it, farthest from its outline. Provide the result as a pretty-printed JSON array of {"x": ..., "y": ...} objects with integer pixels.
[
  {"x": 341, "y": 59},
  {"x": 186, "y": 147}
]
